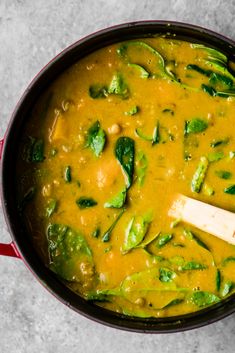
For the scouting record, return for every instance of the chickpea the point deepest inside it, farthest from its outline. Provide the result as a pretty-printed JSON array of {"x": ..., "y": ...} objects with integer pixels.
[{"x": 114, "y": 129}]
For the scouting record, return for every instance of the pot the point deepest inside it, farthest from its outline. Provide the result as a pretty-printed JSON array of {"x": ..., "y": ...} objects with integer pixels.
[{"x": 21, "y": 245}]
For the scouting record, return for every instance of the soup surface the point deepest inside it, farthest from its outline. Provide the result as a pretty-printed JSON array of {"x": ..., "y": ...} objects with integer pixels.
[{"x": 108, "y": 147}]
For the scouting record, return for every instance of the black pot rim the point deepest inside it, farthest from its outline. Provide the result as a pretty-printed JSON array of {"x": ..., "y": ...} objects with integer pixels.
[{"x": 31, "y": 259}]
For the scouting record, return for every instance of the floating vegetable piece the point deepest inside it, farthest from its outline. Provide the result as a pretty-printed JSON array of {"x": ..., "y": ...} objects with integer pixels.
[
  {"x": 195, "y": 126},
  {"x": 199, "y": 175},
  {"x": 51, "y": 207},
  {"x": 85, "y": 202},
  {"x": 68, "y": 248},
  {"x": 163, "y": 239},
  {"x": 107, "y": 234},
  {"x": 117, "y": 201},
  {"x": 118, "y": 86},
  {"x": 203, "y": 298},
  {"x": 96, "y": 138},
  {"x": 136, "y": 231},
  {"x": 125, "y": 154}
]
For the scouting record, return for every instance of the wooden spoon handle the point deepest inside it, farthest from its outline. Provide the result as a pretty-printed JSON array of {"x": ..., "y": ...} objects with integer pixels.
[{"x": 208, "y": 218}]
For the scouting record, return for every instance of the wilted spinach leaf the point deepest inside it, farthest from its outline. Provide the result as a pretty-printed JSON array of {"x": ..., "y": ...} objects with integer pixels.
[
  {"x": 125, "y": 154},
  {"x": 96, "y": 138}
]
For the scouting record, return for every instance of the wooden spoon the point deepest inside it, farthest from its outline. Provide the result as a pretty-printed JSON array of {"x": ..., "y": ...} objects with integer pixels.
[{"x": 208, "y": 218}]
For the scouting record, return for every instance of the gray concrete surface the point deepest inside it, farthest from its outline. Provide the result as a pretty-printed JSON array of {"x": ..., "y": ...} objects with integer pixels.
[{"x": 31, "y": 33}]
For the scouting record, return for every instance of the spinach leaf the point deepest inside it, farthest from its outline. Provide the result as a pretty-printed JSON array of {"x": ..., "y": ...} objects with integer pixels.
[
  {"x": 168, "y": 110},
  {"x": 166, "y": 275},
  {"x": 67, "y": 174},
  {"x": 230, "y": 190},
  {"x": 133, "y": 286},
  {"x": 136, "y": 231},
  {"x": 142, "y": 72},
  {"x": 223, "y": 174},
  {"x": 98, "y": 91},
  {"x": 68, "y": 248},
  {"x": 199, "y": 175},
  {"x": 204, "y": 298},
  {"x": 163, "y": 239},
  {"x": 228, "y": 260},
  {"x": 192, "y": 265},
  {"x": 195, "y": 126},
  {"x": 216, "y": 79},
  {"x": 141, "y": 167},
  {"x": 199, "y": 70},
  {"x": 154, "y": 139},
  {"x": 215, "y": 156},
  {"x": 209, "y": 90},
  {"x": 51, "y": 207},
  {"x": 85, "y": 202},
  {"x": 218, "y": 279},
  {"x": 191, "y": 236},
  {"x": 117, "y": 201},
  {"x": 106, "y": 236},
  {"x": 134, "y": 110},
  {"x": 96, "y": 233},
  {"x": 125, "y": 154},
  {"x": 217, "y": 143},
  {"x": 33, "y": 150},
  {"x": 228, "y": 286},
  {"x": 96, "y": 138},
  {"x": 118, "y": 86}
]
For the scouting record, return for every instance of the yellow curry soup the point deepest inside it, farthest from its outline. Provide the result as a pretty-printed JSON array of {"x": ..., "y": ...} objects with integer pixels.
[{"x": 106, "y": 149}]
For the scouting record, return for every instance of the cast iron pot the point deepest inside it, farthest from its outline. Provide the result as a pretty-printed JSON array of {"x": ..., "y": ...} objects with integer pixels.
[{"x": 21, "y": 245}]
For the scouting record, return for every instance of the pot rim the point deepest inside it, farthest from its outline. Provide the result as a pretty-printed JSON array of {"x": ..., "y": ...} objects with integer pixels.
[{"x": 49, "y": 279}]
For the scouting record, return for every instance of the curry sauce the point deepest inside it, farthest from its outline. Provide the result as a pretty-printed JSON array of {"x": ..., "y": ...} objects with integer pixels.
[{"x": 107, "y": 147}]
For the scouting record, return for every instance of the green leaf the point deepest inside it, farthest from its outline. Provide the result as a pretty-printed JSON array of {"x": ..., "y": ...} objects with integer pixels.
[
  {"x": 230, "y": 190},
  {"x": 136, "y": 231},
  {"x": 98, "y": 91},
  {"x": 209, "y": 90},
  {"x": 168, "y": 110},
  {"x": 67, "y": 174},
  {"x": 134, "y": 110},
  {"x": 195, "y": 126},
  {"x": 125, "y": 154},
  {"x": 199, "y": 175},
  {"x": 117, "y": 201},
  {"x": 216, "y": 78},
  {"x": 217, "y": 143},
  {"x": 118, "y": 86},
  {"x": 154, "y": 139},
  {"x": 223, "y": 174},
  {"x": 67, "y": 249},
  {"x": 96, "y": 233},
  {"x": 228, "y": 260},
  {"x": 141, "y": 167},
  {"x": 203, "y": 298},
  {"x": 199, "y": 70},
  {"x": 96, "y": 138},
  {"x": 218, "y": 279},
  {"x": 166, "y": 275},
  {"x": 85, "y": 202},
  {"x": 106, "y": 236},
  {"x": 33, "y": 150},
  {"x": 163, "y": 239},
  {"x": 228, "y": 286},
  {"x": 51, "y": 207},
  {"x": 215, "y": 156},
  {"x": 142, "y": 72},
  {"x": 192, "y": 265},
  {"x": 191, "y": 236}
]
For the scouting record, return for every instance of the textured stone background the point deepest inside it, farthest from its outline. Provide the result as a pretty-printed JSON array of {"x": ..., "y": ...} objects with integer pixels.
[{"x": 31, "y": 33}]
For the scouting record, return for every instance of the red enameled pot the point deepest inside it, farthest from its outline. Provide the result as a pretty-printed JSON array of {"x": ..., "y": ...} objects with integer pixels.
[{"x": 21, "y": 245}]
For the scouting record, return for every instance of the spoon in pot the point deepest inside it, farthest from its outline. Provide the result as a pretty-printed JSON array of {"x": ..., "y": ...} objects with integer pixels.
[{"x": 208, "y": 218}]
